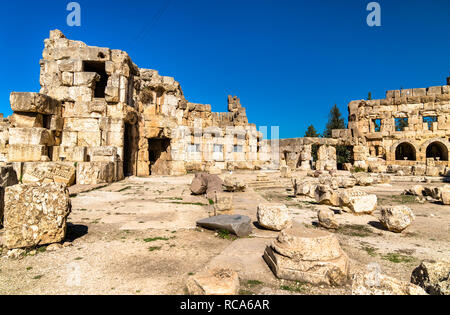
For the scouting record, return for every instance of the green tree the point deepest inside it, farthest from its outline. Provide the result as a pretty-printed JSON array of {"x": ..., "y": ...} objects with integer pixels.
[
  {"x": 311, "y": 132},
  {"x": 335, "y": 121},
  {"x": 369, "y": 97}
]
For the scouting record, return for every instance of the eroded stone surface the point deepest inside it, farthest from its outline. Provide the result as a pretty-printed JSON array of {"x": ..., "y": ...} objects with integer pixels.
[
  {"x": 433, "y": 277},
  {"x": 35, "y": 214},
  {"x": 308, "y": 255},
  {"x": 237, "y": 224},
  {"x": 379, "y": 284},
  {"x": 214, "y": 282},
  {"x": 274, "y": 216},
  {"x": 397, "y": 218}
]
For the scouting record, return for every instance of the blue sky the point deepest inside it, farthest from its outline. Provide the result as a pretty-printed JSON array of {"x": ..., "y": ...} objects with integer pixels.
[{"x": 288, "y": 61}]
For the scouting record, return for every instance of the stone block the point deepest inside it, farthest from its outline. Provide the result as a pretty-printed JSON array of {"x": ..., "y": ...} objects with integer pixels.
[
  {"x": 62, "y": 173},
  {"x": 26, "y": 153},
  {"x": 29, "y": 136},
  {"x": 27, "y": 120},
  {"x": 274, "y": 217},
  {"x": 93, "y": 173},
  {"x": 33, "y": 103},
  {"x": 35, "y": 215}
]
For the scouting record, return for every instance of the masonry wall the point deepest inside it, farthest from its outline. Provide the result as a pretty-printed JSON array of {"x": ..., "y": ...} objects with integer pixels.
[
  {"x": 100, "y": 113},
  {"x": 409, "y": 128}
]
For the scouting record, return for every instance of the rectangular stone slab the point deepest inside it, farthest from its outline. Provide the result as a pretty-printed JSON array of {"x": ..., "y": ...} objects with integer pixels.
[
  {"x": 237, "y": 224},
  {"x": 26, "y": 102}
]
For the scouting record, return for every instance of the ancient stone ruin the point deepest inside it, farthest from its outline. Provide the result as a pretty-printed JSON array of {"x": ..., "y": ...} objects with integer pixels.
[
  {"x": 98, "y": 118},
  {"x": 407, "y": 131}
]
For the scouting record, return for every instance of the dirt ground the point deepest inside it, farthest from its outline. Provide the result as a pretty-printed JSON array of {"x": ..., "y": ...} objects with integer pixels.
[{"x": 139, "y": 236}]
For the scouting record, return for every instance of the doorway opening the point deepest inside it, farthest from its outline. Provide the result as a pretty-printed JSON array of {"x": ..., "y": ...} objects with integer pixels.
[
  {"x": 159, "y": 155},
  {"x": 99, "y": 68},
  {"x": 128, "y": 151}
]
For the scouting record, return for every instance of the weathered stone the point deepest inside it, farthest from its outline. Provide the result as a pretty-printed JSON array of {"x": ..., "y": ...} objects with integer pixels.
[
  {"x": 93, "y": 173},
  {"x": 311, "y": 256},
  {"x": 26, "y": 153},
  {"x": 416, "y": 190},
  {"x": 35, "y": 214},
  {"x": 232, "y": 184},
  {"x": 236, "y": 224},
  {"x": 27, "y": 120},
  {"x": 304, "y": 188},
  {"x": 33, "y": 103},
  {"x": 214, "y": 282},
  {"x": 397, "y": 218},
  {"x": 358, "y": 202},
  {"x": 223, "y": 202},
  {"x": 274, "y": 216},
  {"x": 375, "y": 283},
  {"x": 199, "y": 184},
  {"x": 63, "y": 173},
  {"x": 363, "y": 179},
  {"x": 8, "y": 177},
  {"x": 446, "y": 195},
  {"x": 325, "y": 195},
  {"x": 327, "y": 219},
  {"x": 433, "y": 277}
]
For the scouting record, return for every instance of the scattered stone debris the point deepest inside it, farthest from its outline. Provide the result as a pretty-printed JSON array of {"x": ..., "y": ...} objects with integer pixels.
[
  {"x": 206, "y": 184},
  {"x": 327, "y": 219},
  {"x": 232, "y": 184},
  {"x": 433, "y": 277},
  {"x": 223, "y": 202},
  {"x": 358, "y": 202},
  {"x": 308, "y": 255},
  {"x": 446, "y": 195},
  {"x": 397, "y": 218},
  {"x": 274, "y": 217},
  {"x": 375, "y": 283},
  {"x": 237, "y": 224},
  {"x": 35, "y": 214},
  {"x": 326, "y": 195},
  {"x": 214, "y": 282}
]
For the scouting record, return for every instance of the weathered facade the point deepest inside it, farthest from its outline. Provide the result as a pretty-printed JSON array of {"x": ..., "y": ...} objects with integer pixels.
[
  {"x": 409, "y": 130},
  {"x": 99, "y": 115}
]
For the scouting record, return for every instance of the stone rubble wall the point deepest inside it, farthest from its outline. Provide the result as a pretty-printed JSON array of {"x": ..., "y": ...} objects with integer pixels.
[
  {"x": 413, "y": 104},
  {"x": 98, "y": 112}
]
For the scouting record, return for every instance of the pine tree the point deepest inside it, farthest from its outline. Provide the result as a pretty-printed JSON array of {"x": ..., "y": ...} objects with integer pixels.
[
  {"x": 335, "y": 121},
  {"x": 311, "y": 132}
]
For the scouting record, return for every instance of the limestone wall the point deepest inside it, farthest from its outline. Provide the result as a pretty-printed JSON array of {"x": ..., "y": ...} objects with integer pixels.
[
  {"x": 406, "y": 128},
  {"x": 108, "y": 118}
]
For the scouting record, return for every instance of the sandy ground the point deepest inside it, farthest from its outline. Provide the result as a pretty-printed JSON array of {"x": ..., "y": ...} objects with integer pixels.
[{"x": 139, "y": 236}]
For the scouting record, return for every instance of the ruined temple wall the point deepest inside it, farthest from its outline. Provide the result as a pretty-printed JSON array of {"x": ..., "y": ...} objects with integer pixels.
[
  {"x": 412, "y": 104},
  {"x": 101, "y": 113}
]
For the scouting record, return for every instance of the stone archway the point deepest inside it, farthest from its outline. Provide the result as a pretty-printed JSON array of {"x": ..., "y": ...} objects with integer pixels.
[
  {"x": 405, "y": 151},
  {"x": 437, "y": 150}
]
